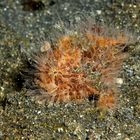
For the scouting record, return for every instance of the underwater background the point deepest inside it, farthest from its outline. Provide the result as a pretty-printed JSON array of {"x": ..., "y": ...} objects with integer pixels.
[{"x": 24, "y": 25}]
